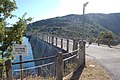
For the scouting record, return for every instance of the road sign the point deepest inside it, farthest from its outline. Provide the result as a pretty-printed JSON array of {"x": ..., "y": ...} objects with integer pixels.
[{"x": 20, "y": 49}]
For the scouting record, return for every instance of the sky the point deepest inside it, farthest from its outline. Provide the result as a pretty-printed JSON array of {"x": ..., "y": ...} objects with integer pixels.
[{"x": 43, "y": 9}]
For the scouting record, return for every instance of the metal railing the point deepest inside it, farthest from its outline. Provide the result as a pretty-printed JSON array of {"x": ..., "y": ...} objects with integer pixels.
[
  {"x": 70, "y": 62},
  {"x": 38, "y": 72},
  {"x": 48, "y": 70},
  {"x": 52, "y": 67},
  {"x": 66, "y": 44}
]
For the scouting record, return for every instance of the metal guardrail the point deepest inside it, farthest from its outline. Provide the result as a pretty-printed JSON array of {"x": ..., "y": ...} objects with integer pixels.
[
  {"x": 33, "y": 69},
  {"x": 49, "y": 57},
  {"x": 39, "y": 71},
  {"x": 53, "y": 70},
  {"x": 59, "y": 42},
  {"x": 26, "y": 73}
]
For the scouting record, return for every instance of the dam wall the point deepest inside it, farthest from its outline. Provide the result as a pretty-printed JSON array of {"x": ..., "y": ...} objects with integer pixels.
[{"x": 42, "y": 49}]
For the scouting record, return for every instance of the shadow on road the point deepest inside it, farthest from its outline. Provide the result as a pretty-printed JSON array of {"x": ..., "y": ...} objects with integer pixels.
[{"x": 77, "y": 73}]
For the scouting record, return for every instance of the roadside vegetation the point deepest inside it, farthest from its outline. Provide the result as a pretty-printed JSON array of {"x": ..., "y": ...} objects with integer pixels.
[
  {"x": 106, "y": 37},
  {"x": 9, "y": 36}
]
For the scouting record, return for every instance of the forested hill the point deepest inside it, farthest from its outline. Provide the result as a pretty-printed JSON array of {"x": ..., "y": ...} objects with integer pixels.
[
  {"x": 109, "y": 21},
  {"x": 71, "y": 25}
]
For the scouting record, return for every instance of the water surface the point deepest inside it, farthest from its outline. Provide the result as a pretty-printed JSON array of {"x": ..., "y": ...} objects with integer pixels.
[{"x": 25, "y": 57}]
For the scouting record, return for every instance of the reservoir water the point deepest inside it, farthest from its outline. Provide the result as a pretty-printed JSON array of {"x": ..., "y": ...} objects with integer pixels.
[{"x": 25, "y": 57}]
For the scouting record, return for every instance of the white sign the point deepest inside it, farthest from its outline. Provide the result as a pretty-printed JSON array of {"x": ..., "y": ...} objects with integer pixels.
[{"x": 20, "y": 49}]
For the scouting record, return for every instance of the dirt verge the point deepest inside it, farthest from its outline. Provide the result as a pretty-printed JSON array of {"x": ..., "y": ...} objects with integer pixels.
[{"x": 93, "y": 71}]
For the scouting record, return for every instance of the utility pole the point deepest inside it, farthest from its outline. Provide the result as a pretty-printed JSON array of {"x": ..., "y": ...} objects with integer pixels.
[{"x": 84, "y": 5}]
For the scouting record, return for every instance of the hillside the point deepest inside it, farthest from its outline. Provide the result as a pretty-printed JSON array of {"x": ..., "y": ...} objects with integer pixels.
[
  {"x": 71, "y": 25},
  {"x": 109, "y": 21}
]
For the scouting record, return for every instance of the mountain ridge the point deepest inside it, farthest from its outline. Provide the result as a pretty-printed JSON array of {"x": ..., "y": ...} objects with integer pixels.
[{"x": 72, "y": 24}]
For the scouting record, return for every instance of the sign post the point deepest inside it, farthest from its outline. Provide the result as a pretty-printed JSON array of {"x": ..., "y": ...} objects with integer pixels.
[
  {"x": 20, "y": 49},
  {"x": 21, "y": 72}
]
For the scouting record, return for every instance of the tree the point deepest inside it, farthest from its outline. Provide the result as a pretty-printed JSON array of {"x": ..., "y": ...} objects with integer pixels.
[
  {"x": 106, "y": 37},
  {"x": 9, "y": 36}
]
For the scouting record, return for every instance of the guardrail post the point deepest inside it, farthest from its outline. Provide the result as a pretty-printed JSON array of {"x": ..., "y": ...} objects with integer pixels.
[
  {"x": 61, "y": 43},
  {"x": 46, "y": 38},
  {"x": 59, "y": 66},
  {"x": 67, "y": 45},
  {"x": 49, "y": 39},
  {"x": 43, "y": 37},
  {"x": 82, "y": 52},
  {"x": 75, "y": 44},
  {"x": 56, "y": 41},
  {"x": 40, "y": 36},
  {"x": 52, "y": 40},
  {"x": 8, "y": 69}
]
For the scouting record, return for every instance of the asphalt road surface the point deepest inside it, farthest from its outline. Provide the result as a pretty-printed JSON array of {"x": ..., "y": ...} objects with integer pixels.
[{"x": 108, "y": 58}]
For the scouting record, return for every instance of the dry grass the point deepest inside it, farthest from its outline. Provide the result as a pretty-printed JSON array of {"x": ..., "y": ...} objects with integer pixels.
[
  {"x": 118, "y": 46},
  {"x": 70, "y": 68},
  {"x": 94, "y": 71}
]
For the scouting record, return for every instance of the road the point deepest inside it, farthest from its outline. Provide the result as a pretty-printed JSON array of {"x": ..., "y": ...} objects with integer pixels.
[{"x": 108, "y": 58}]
